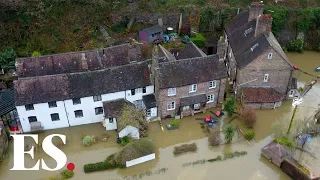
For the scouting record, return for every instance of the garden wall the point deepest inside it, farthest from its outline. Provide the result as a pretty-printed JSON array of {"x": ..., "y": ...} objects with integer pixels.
[{"x": 141, "y": 160}]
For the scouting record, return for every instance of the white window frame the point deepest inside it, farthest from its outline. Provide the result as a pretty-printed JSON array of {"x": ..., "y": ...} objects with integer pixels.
[
  {"x": 77, "y": 116},
  {"x": 266, "y": 78},
  {"x": 172, "y": 91},
  {"x": 171, "y": 105},
  {"x": 198, "y": 105},
  {"x": 212, "y": 84},
  {"x": 148, "y": 112},
  {"x": 110, "y": 120},
  {"x": 210, "y": 98},
  {"x": 192, "y": 88},
  {"x": 270, "y": 56},
  {"x": 185, "y": 108},
  {"x": 54, "y": 114},
  {"x": 97, "y": 98},
  {"x": 138, "y": 90},
  {"x": 97, "y": 112}
]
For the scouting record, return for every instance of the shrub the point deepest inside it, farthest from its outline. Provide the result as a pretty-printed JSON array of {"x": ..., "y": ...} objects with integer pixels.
[
  {"x": 175, "y": 123},
  {"x": 295, "y": 46},
  {"x": 248, "y": 116},
  {"x": 235, "y": 154},
  {"x": 284, "y": 141},
  {"x": 185, "y": 148},
  {"x": 99, "y": 166},
  {"x": 199, "y": 40},
  {"x": 249, "y": 135},
  {"x": 7, "y": 132},
  {"x": 125, "y": 140},
  {"x": 229, "y": 132},
  {"x": 218, "y": 158},
  {"x": 36, "y": 54},
  {"x": 87, "y": 141},
  {"x": 66, "y": 174},
  {"x": 136, "y": 149},
  {"x": 214, "y": 139},
  {"x": 229, "y": 106}
]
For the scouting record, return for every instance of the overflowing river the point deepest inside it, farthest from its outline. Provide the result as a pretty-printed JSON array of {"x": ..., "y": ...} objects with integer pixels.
[{"x": 249, "y": 167}]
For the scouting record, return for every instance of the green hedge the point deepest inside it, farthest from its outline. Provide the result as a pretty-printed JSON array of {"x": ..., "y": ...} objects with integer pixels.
[
  {"x": 295, "y": 46},
  {"x": 99, "y": 166},
  {"x": 199, "y": 40}
]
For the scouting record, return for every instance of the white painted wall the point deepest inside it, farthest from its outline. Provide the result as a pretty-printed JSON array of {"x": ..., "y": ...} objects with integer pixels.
[
  {"x": 66, "y": 110},
  {"x": 138, "y": 96},
  {"x": 42, "y": 112},
  {"x": 141, "y": 160},
  {"x": 111, "y": 126},
  {"x": 154, "y": 113}
]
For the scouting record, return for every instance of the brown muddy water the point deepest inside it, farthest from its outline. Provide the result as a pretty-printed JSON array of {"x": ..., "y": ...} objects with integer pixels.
[{"x": 249, "y": 167}]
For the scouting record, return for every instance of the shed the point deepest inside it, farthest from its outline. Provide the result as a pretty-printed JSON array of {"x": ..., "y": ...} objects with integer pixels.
[{"x": 150, "y": 34}]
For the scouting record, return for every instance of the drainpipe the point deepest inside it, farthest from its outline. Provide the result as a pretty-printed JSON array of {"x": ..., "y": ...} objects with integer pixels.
[{"x": 65, "y": 109}]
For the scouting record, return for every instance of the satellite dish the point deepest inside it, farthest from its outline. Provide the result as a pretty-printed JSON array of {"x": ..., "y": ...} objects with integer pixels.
[{"x": 169, "y": 28}]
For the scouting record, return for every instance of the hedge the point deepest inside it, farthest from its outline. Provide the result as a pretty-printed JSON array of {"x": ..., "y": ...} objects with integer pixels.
[
  {"x": 99, "y": 166},
  {"x": 185, "y": 148}
]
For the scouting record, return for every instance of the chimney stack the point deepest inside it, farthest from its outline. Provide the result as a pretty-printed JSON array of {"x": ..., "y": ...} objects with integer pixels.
[
  {"x": 264, "y": 24},
  {"x": 255, "y": 10},
  {"x": 84, "y": 63}
]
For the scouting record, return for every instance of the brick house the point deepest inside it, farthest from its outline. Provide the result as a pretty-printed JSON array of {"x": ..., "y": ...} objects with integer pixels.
[
  {"x": 188, "y": 86},
  {"x": 256, "y": 62}
]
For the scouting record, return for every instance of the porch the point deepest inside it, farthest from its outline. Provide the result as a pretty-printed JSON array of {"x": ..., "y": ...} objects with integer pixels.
[{"x": 191, "y": 105}]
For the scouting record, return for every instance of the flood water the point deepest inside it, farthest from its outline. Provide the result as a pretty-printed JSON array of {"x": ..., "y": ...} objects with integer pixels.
[{"x": 249, "y": 167}]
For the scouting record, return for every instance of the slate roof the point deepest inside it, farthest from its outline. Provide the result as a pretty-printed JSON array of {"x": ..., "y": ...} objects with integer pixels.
[
  {"x": 114, "y": 108},
  {"x": 149, "y": 101},
  {"x": 294, "y": 83},
  {"x": 261, "y": 95},
  {"x": 152, "y": 30},
  {"x": 190, "y": 51},
  {"x": 73, "y": 62},
  {"x": 237, "y": 22},
  {"x": 187, "y": 101},
  {"x": 190, "y": 71},
  {"x": 7, "y": 101},
  {"x": 77, "y": 85}
]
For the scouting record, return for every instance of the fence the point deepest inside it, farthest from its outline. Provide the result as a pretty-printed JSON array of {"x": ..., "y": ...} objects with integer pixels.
[{"x": 141, "y": 160}]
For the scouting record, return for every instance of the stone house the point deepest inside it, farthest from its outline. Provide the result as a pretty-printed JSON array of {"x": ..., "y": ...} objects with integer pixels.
[
  {"x": 256, "y": 62},
  {"x": 187, "y": 86}
]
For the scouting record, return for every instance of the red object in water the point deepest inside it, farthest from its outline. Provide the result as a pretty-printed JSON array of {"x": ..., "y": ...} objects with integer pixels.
[
  {"x": 295, "y": 67},
  {"x": 70, "y": 166},
  {"x": 208, "y": 118}
]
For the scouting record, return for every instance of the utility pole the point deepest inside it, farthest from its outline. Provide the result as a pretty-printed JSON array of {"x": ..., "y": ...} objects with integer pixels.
[{"x": 294, "y": 113}]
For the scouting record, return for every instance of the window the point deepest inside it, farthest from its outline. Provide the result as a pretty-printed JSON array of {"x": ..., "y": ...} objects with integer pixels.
[
  {"x": 144, "y": 90},
  {"x": 186, "y": 108},
  {"x": 97, "y": 98},
  {"x": 171, "y": 105},
  {"x": 148, "y": 112},
  {"x": 196, "y": 106},
  {"x": 32, "y": 119},
  {"x": 29, "y": 107},
  {"x": 133, "y": 92},
  {"x": 212, "y": 84},
  {"x": 76, "y": 101},
  {"x": 78, "y": 113},
  {"x": 98, "y": 110},
  {"x": 192, "y": 88},
  {"x": 52, "y": 104},
  {"x": 55, "y": 117},
  {"x": 138, "y": 90},
  {"x": 171, "y": 91},
  {"x": 110, "y": 120},
  {"x": 270, "y": 56},
  {"x": 210, "y": 98},
  {"x": 265, "y": 78}
]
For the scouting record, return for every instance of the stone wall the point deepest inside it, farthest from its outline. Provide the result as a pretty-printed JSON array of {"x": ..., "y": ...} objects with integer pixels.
[
  {"x": 4, "y": 142},
  {"x": 260, "y": 105},
  {"x": 202, "y": 88}
]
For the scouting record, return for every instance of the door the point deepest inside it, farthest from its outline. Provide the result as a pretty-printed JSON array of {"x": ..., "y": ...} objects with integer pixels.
[{"x": 153, "y": 112}]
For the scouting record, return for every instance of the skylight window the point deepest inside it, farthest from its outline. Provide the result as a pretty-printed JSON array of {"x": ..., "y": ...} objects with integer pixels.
[
  {"x": 254, "y": 46},
  {"x": 248, "y": 31}
]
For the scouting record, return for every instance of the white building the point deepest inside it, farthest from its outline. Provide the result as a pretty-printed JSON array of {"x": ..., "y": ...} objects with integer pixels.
[{"x": 69, "y": 89}]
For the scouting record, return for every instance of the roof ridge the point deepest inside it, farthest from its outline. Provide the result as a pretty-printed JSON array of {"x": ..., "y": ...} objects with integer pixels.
[{"x": 191, "y": 59}]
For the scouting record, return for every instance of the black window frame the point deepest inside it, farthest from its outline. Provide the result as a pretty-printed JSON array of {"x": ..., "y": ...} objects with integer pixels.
[
  {"x": 30, "y": 118},
  {"x": 144, "y": 90},
  {"x": 75, "y": 101},
  {"x": 98, "y": 108},
  {"x": 29, "y": 107},
  {"x": 97, "y": 98},
  {"x": 52, "y": 104},
  {"x": 133, "y": 92},
  {"x": 78, "y": 111},
  {"x": 55, "y": 117}
]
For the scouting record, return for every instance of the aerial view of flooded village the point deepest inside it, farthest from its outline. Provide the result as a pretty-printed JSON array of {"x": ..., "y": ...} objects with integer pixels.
[{"x": 159, "y": 89}]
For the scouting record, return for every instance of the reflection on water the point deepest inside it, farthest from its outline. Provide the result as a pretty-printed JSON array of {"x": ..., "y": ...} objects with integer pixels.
[{"x": 252, "y": 166}]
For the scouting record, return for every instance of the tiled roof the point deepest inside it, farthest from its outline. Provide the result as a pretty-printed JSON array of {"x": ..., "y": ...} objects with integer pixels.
[
  {"x": 189, "y": 71},
  {"x": 76, "y": 85},
  {"x": 261, "y": 95},
  {"x": 7, "y": 101},
  {"x": 190, "y": 51},
  {"x": 84, "y": 61},
  {"x": 114, "y": 108},
  {"x": 237, "y": 22},
  {"x": 187, "y": 101}
]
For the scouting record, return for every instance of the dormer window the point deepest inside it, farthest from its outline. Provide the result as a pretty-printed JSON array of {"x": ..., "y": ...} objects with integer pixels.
[
  {"x": 248, "y": 31},
  {"x": 254, "y": 46},
  {"x": 270, "y": 56}
]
